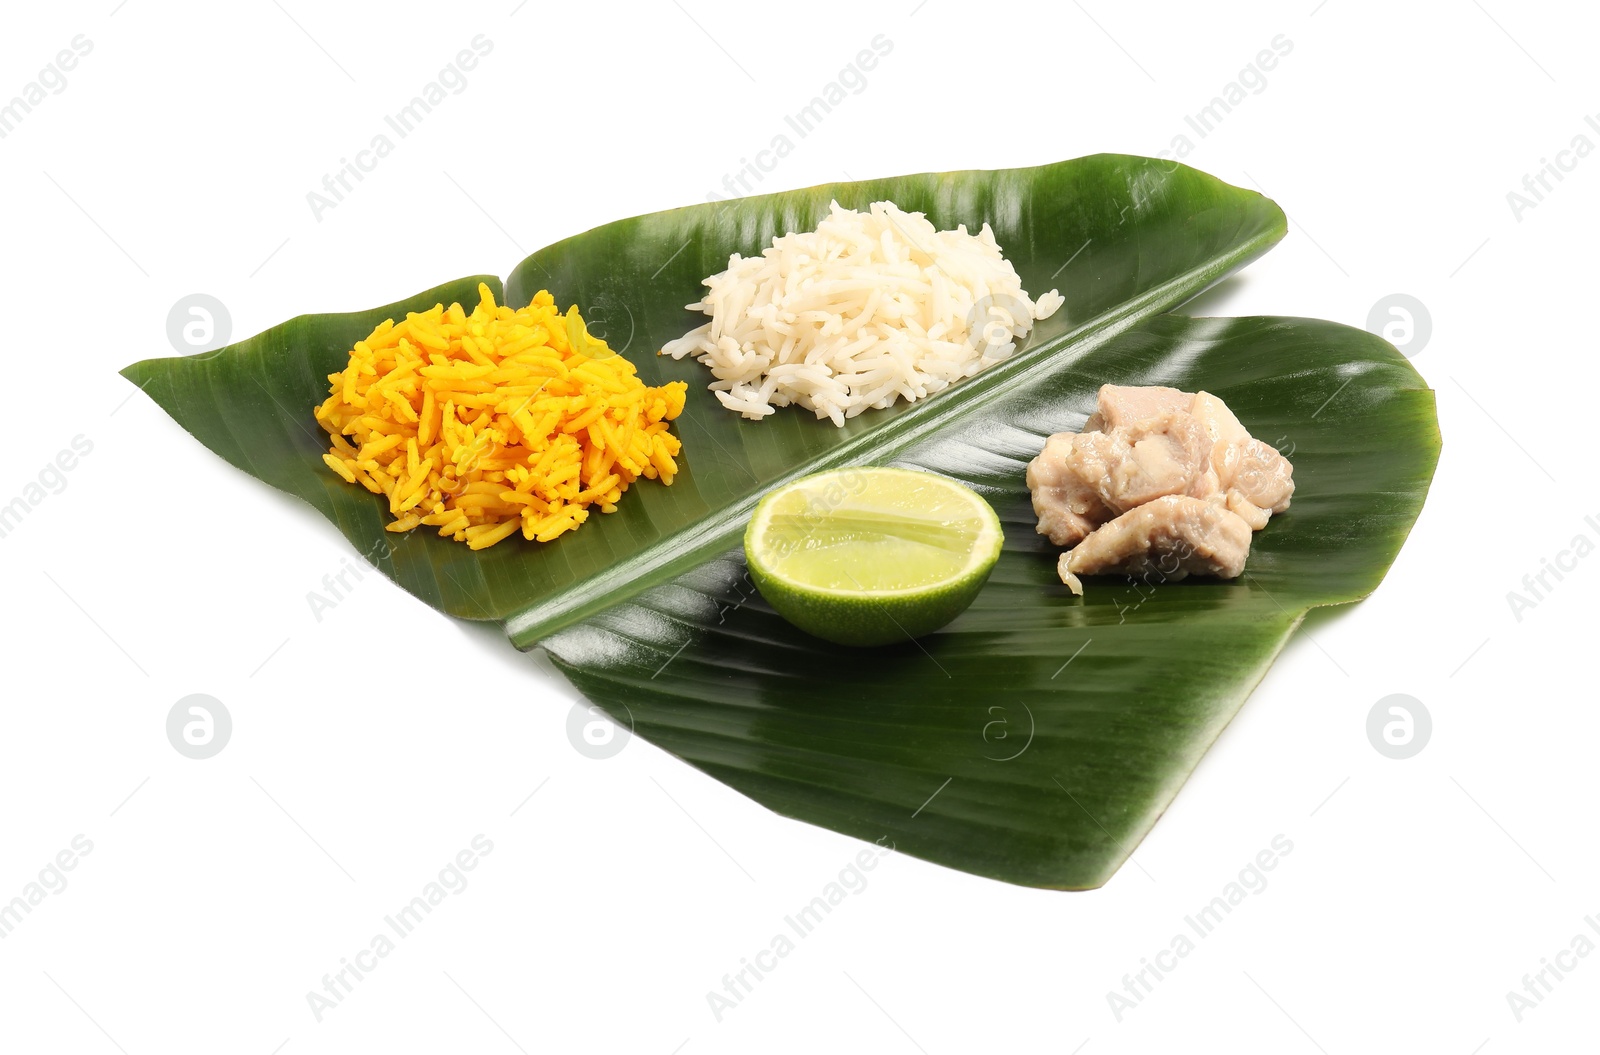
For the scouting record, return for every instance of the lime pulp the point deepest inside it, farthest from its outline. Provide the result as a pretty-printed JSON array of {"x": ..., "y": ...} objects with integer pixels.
[{"x": 869, "y": 556}]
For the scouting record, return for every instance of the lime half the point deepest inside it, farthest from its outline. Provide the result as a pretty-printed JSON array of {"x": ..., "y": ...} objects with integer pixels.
[{"x": 867, "y": 556}]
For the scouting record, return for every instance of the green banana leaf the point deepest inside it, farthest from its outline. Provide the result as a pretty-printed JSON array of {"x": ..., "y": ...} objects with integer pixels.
[
  {"x": 1122, "y": 237},
  {"x": 652, "y": 617},
  {"x": 1038, "y": 737}
]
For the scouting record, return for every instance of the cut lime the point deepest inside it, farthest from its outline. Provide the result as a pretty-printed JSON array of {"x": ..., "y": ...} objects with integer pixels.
[{"x": 867, "y": 556}]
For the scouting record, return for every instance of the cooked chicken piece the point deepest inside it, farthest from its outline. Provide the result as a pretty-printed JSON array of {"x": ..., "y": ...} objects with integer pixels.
[
  {"x": 1079, "y": 482},
  {"x": 1159, "y": 481},
  {"x": 1261, "y": 475},
  {"x": 1068, "y": 509},
  {"x": 1219, "y": 422},
  {"x": 1117, "y": 405},
  {"x": 1132, "y": 464},
  {"x": 1246, "y": 510},
  {"x": 1169, "y": 538},
  {"x": 1224, "y": 430}
]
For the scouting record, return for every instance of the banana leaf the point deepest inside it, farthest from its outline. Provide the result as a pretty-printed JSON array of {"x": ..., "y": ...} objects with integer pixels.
[
  {"x": 1122, "y": 237},
  {"x": 648, "y": 611},
  {"x": 1038, "y": 737}
]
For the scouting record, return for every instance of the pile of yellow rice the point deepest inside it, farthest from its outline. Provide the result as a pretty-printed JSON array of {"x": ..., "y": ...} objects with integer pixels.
[{"x": 482, "y": 424}]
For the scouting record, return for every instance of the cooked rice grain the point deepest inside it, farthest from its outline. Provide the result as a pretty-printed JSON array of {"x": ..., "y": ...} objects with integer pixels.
[
  {"x": 867, "y": 309},
  {"x": 482, "y": 424}
]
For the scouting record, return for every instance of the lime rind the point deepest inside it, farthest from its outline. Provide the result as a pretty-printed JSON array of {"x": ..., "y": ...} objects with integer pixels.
[{"x": 914, "y": 511}]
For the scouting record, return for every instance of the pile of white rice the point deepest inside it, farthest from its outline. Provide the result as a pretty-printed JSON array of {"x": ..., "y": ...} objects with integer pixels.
[{"x": 867, "y": 309}]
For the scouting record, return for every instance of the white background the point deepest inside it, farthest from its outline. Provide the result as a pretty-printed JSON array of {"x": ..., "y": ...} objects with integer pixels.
[{"x": 218, "y": 893}]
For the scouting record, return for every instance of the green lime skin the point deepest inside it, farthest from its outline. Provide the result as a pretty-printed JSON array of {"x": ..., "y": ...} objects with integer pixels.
[
  {"x": 862, "y": 604},
  {"x": 883, "y": 622}
]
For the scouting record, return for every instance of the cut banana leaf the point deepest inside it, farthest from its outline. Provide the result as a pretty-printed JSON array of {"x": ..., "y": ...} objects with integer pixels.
[
  {"x": 1038, "y": 737},
  {"x": 1122, "y": 238}
]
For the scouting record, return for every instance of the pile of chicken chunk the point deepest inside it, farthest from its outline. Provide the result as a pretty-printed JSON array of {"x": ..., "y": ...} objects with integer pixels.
[{"x": 1160, "y": 485}]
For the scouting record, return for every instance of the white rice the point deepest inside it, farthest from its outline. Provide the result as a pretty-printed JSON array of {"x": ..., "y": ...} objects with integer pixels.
[{"x": 867, "y": 309}]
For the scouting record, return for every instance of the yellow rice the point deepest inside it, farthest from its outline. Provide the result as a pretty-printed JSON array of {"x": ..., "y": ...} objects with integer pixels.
[{"x": 482, "y": 424}]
